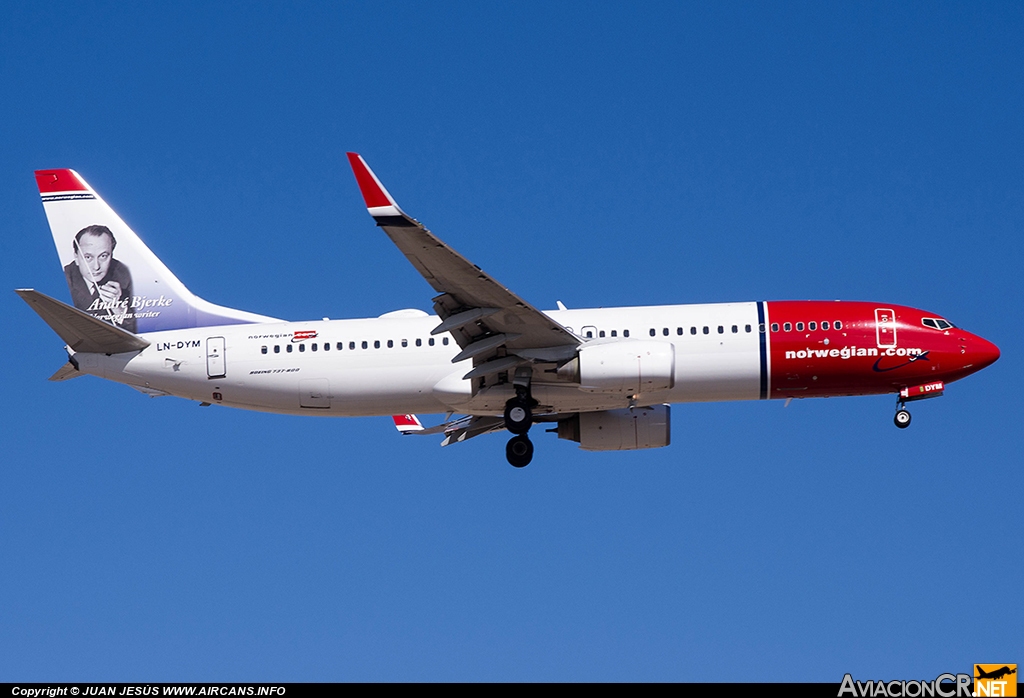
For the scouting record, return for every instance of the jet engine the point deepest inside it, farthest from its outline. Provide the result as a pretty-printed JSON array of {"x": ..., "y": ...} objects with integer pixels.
[{"x": 619, "y": 430}]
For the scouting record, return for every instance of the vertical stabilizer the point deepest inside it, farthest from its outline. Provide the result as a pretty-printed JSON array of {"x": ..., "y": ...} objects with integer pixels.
[{"x": 111, "y": 273}]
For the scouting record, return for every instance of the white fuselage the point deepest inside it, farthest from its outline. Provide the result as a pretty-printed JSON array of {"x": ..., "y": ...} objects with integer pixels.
[{"x": 392, "y": 365}]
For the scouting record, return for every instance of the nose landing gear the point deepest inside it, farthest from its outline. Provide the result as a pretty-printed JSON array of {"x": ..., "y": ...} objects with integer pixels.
[{"x": 902, "y": 418}]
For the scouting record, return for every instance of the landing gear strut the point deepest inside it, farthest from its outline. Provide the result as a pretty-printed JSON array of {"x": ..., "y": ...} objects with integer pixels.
[{"x": 518, "y": 419}]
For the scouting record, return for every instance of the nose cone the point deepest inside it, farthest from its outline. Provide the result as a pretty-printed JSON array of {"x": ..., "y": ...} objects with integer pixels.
[{"x": 982, "y": 352}]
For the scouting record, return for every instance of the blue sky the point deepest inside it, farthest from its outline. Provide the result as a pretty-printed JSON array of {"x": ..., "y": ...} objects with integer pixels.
[{"x": 594, "y": 154}]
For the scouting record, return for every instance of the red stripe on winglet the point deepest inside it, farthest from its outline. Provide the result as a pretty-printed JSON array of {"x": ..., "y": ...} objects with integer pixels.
[
  {"x": 405, "y": 420},
  {"x": 58, "y": 180},
  {"x": 373, "y": 195}
]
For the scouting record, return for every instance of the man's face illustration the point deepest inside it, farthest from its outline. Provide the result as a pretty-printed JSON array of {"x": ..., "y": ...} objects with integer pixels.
[{"x": 94, "y": 255}]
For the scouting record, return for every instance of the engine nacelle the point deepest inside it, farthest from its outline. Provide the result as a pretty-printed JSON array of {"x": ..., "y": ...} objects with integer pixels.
[
  {"x": 629, "y": 367},
  {"x": 619, "y": 430}
]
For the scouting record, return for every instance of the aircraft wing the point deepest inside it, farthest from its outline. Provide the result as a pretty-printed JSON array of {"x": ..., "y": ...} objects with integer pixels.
[{"x": 495, "y": 327}]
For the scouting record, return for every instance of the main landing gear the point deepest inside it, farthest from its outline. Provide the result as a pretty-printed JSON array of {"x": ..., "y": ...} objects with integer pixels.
[
  {"x": 519, "y": 451},
  {"x": 518, "y": 419}
]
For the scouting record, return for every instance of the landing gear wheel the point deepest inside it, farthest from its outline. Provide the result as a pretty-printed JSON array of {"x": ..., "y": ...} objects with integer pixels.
[
  {"x": 902, "y": 419},
  {"x": 518, "y": 416},
  {"x": 519, "y": 451}
]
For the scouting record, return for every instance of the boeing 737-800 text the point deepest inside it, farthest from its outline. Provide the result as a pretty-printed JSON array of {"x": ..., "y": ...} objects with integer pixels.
[{"x": 604, "y": 377}]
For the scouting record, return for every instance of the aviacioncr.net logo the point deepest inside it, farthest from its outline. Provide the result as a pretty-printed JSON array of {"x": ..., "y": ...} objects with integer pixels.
[{"x": 944, "y": 686}]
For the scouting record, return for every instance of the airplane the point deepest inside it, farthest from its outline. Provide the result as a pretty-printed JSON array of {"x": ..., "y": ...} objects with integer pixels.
[
  {"x": 602, "y": 377},
  {"x": 995, "y": 674}
]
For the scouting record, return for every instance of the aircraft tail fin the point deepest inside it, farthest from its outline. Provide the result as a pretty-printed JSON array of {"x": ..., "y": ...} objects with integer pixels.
[
  {"x": 111, "y": 273},
  {"x": 80, "y": 330}
]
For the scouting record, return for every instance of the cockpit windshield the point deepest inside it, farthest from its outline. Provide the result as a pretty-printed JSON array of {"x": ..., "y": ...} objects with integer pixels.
[{"x": 937, "y": 323}]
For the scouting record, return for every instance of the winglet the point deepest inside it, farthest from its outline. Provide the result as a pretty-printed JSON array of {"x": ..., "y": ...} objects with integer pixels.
[
  {"x": 378, "y": 201},
  {"x": 407, "y": 423}
]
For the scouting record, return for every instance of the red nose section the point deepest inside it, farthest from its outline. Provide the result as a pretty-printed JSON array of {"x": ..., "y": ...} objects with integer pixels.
[{"x": 984, "y": 352}]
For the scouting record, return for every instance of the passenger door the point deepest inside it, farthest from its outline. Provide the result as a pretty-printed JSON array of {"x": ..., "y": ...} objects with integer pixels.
[{"x": 215, "y": 364}]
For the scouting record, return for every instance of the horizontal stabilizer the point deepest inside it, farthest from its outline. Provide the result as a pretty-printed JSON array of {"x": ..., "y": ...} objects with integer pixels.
[
  {"x": 79, "y": 330},
  {"x": 66, "y": 372}
]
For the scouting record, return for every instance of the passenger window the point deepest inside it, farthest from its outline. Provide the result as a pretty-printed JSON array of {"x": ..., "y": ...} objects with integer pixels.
[
  {"x": 679, "y": 330},
  {"x": 314, "y": 346},
  {"x": 748, "y": 328},
  {"x": 837, "y": 324},
  {"x": 735, "y": 329},
  {"x": 391, "y": 344},
  {"x": 824, "y": 325},
  {"x": 405, "y": 342},
  {"x": 366, "y": 345},
  {"x": 775, "y": 327},
  {"x": 419, "y": 342},
  {"x": 327, "y": 346},
  {"x": 787, "y": 326},
  {"x": 693, "y": 330},
  {"x": 444, "y": 341},
  {"x": 263, "y": 350},
  {"x": 760, "y": 328},
  {"x": 721, "y": 330},
  {"x": 812, "y": 326},
  {"x": 600, "y": 333},
  {"x": 376, "y": 344},
  {"x": 340, "y": 345},
  {"x": 352, "y": 345},
  {"x": 625, "y": 333},
  {"x": 277, "y": 348},
  {"x": 288, "y": 348},
  {"x": 799, "y": 327},
  {"x": 615, "y": 333},
  {"x": 590, "y": 334},
  {"x": 664, "y": 331},
  {"x": 302, "y": 347},
  {"x": 430, "y": 341},
  {"x": 653, "y": 332},
  {"x": 706, "y": 330}
]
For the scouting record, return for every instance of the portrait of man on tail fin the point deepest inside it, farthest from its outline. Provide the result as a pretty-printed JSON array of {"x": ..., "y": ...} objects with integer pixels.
[{"x": 100, "y": 285}]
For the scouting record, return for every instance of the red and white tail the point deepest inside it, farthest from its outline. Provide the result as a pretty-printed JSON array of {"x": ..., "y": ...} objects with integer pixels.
[{"x": 110, "y": 272}]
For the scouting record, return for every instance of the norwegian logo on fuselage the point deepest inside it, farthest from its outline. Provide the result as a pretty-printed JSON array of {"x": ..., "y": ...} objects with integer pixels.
[
  {"x": 853, "y": 352},
  {"x": 303, "y": 335}
]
